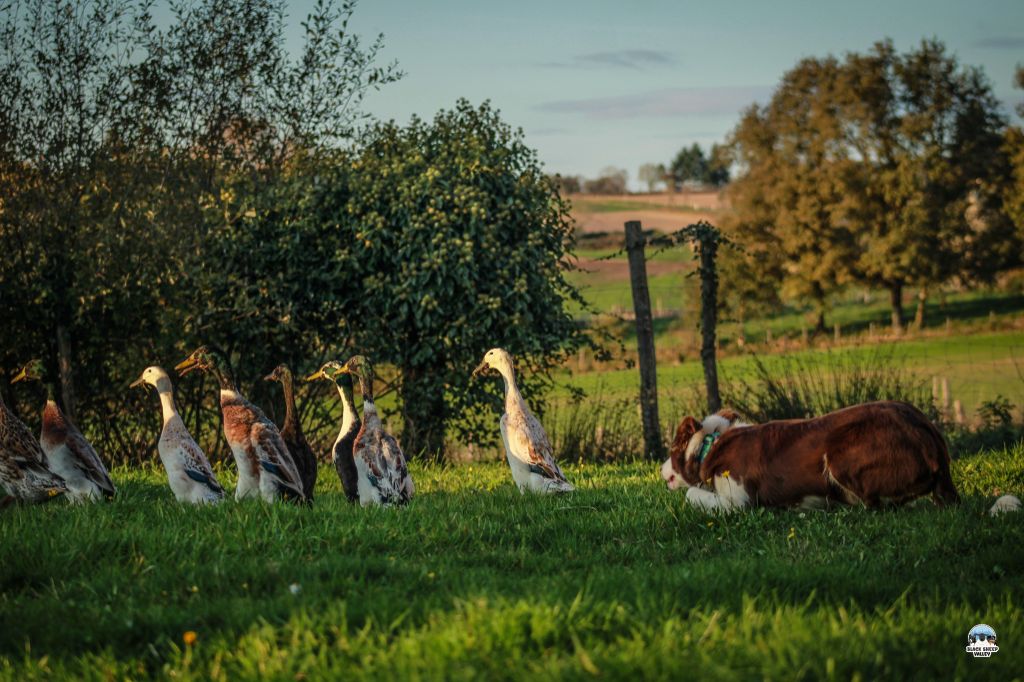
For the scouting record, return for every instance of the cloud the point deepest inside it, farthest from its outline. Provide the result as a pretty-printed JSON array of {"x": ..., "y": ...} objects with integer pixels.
[
  {"x": 664, "y": 103},
  {"x": 620, "y": 59},
  {"x": 1001, "y": 42}
]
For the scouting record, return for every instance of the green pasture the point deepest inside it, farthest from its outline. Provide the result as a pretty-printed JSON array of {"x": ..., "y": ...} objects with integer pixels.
[
  {"x": 620, "y": 580},
  {"x": 976, "y": 366}
]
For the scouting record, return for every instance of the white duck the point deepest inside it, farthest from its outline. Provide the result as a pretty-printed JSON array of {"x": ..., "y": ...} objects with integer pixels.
[
  {"x": 188, "y": 471},
  {"x": 526, "y": 444}
]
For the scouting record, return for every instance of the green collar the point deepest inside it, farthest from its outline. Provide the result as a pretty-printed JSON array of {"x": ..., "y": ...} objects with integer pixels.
[{"x": 705, "y": 447}]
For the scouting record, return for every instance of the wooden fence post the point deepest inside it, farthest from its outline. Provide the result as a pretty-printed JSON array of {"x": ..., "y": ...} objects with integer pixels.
[
  {"x": 709, "y": 315},
  {"x": 635, "y": 243}
]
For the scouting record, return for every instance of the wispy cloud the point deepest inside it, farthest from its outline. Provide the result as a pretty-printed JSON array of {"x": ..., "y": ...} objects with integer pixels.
[
  {"x": 618, "y": 59},
  {"x": 1001, "y": 42},
  {"x": 663, "y": 103}
]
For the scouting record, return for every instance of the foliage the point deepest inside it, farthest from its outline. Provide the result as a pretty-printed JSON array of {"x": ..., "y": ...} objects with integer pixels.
[
  {"x": 610, "y": 181},
  {"x": 474, "y": 580},
  {"x": 795, "y": 387},
  {"x": 652, "y": 175},
  {"x": 881, "y": 168},
  {"x": 460, "y": 243},
  {"x": 138, "y": 169},
  {"x": 692, "y": 165}
]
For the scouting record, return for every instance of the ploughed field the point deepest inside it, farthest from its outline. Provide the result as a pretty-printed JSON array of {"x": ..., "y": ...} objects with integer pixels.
[{"x": 619, "y": 581}]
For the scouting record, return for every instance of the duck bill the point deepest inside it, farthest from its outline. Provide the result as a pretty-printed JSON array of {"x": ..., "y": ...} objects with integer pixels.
[
  {"x": 480, "y": 369},
  {"x": 21, "y": 376},
  {"x": 187, "y": 365},
  {"x": 270, "y": 377},
  {"x": 138, "y": 382},
  {"x": 316, "y": 375}
]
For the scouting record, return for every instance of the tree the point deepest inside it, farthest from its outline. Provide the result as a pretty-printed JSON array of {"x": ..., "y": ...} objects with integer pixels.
[
  {"x": 652, "y": 174},
  {"x": 69, "y": 125},
  {"x": 611, "y": 181},
  {"x": 689, "y": 165},
  {"x": 881, "y": 168},
  {"x": 461, "y": 244},
  {"x": 1014, "y": 148},
  {"x": 786, "y": 196},
  {"x": 922, "y": 138},
  {"x": 718, "y": 166},
  {"x": 147, "y": 183}
]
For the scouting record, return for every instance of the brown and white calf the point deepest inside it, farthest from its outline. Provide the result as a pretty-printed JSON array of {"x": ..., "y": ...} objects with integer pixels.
[{"x": 871, "y": 454}]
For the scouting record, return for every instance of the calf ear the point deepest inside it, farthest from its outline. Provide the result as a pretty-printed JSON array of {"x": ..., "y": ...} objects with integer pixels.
[
  {"x": 684, "y": 433},
  {"x": 728, "y": 415}
]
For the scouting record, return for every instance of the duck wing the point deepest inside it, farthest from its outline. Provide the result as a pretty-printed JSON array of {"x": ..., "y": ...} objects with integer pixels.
[
  {"x": 275, "y": 461},
  {"x": 528, "y": 443},
  {"x": 89, "y": 463},
  {"x": 197, "y": 467}
]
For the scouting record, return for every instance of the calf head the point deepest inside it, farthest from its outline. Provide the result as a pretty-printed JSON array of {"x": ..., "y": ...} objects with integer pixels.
[{"x": 673, "y": 468}]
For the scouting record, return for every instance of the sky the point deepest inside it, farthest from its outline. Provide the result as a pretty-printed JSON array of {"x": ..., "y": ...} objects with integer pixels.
[{"x": 597, "y": 84}]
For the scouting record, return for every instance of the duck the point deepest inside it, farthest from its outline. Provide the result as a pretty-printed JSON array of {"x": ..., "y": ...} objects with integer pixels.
[
  {"x": 341, "y": 453},
  {"x": 291, "y": 432},
  {"x": 527, "y": 447},
  {"x": 24, "y": 469},
  {"x": 382, "y": 473},
  {"x": 265, "y": 467},
  {"x": 188, "y": 470},
  {"x": 69, "y": 454}
]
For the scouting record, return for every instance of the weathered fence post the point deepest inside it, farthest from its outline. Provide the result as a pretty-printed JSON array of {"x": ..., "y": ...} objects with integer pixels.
[
  {"x": 707, "y": 243},
  {"x": 635, "y": 243}
]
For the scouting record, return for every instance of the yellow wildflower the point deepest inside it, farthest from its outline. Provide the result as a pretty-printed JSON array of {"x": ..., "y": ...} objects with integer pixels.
[{"x": 189, "y": 637}]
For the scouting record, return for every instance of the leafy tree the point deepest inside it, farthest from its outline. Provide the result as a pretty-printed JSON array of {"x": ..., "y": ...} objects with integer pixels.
[
  {"x": 151, "y": 183},
  {"x": 689, "y": 165},
  {"x": 1014, "y": 149},
  {"x": 718, "y": 166},
  {"x": 923, "y": 136},
  {"x": 71, "y": 218},
  {"x": 882, "y": 168},
  {"x": 460, "y": 243},
  {"x": 786, "y": 197},
  {"x": 611, "y": 181},
  {"x": 652, "y": 174}
]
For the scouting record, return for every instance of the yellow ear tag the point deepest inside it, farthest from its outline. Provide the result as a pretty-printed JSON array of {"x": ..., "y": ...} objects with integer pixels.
[
  {"x": 53, "y": 492},
  {"x": 725, "y": 474}
]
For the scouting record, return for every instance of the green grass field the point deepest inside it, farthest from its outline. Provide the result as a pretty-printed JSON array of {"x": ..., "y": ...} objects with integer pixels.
[{"x": 473, "y": 581}]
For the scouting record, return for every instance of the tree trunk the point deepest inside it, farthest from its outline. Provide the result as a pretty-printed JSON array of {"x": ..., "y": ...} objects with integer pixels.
[
  {"x": 896, "y": 300},
  {"x": 424, "y": 414},
  {"x": 819, "y": 325},
  {"x": 65, "y": 364},
  {"x": 922, "y": 298}
]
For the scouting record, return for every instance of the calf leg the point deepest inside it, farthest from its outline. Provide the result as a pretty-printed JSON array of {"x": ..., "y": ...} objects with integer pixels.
[{"x": 728, "y": 495}]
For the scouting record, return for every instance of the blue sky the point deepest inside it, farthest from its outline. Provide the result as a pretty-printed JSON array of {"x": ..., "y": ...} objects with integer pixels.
[{"x": 596, "y": 84}]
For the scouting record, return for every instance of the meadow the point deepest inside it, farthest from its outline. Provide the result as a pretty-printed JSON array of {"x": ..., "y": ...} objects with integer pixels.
[{"x": 618, "y": 581}]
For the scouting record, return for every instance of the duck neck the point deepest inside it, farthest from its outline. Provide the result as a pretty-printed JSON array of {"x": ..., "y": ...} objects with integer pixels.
[
  {"x": 224, "y": 378},
  {"x": 348, "y": 406},
  {"x": 291, "y": 416},
  {"x": 513, "y": 399},
  {"x": 167, "y": 406}
]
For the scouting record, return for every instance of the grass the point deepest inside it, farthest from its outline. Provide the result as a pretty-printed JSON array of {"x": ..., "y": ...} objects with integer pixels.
[
  {"x": 620, "y": 580},
  {"x": 978, "y": 367}
]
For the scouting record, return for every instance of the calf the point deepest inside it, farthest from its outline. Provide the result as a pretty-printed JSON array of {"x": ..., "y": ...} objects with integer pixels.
[{"x": 871, "y": 454}]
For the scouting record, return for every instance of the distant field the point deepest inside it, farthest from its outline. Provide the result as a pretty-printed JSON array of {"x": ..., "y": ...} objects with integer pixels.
[
  {"x": 600, "y": 213},
  {"x": 620, "y": 580}
]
